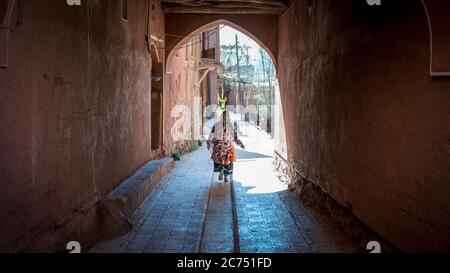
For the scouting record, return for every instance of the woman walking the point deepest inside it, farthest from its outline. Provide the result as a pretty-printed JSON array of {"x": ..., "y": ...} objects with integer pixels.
[{"x": 222, "y": 136}]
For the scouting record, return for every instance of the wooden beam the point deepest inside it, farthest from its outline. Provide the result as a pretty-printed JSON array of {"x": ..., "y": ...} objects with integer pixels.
[
  {"x": 222, "y": 10},
  {"x": 227, "y": 5},
  {"x": 219, "y": 11},
  {"x": 224, "y": 6},
  {"x": 224, "y": 2}
]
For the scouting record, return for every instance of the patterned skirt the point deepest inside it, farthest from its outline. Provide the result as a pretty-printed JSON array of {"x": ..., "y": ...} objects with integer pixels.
[{"x": 224, "y": 155}]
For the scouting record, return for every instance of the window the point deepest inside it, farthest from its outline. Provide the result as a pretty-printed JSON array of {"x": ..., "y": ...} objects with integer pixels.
[{"x": 125, "y": 9}]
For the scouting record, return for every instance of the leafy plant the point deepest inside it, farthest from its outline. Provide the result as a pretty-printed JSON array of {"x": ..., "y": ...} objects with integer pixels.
[
  {"x": 193, "y": 148},
  {"x": 176, "y": 156},
  {"x": 222, "y": 100}
]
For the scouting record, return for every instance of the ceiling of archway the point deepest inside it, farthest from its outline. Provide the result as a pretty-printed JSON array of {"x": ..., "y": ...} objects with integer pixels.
[{"x": 226, "y": 6}]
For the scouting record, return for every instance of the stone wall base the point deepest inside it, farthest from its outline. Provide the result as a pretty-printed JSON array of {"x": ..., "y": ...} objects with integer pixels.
[
  {"x": 312, "y": 195},
  {"x": 119, "y": 205}
]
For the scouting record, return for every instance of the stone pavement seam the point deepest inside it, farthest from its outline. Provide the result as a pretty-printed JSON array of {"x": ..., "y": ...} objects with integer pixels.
[
  {"x": 237, "y": 247},
  {"x": 200, "y": 242}
]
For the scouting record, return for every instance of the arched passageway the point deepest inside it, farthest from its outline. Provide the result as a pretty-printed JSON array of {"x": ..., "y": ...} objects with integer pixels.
[
  {"x": 195, "y": 210},
  {"x": 364, "y": 89},
  {"x": 321, "y": 100}
]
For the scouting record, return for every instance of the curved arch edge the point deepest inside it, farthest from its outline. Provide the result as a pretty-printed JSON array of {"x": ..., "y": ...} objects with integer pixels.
[
  {"x": 210, "y": 25},
  {"x": 5, "y": 30},
  {"x": 432, "y": 71}
]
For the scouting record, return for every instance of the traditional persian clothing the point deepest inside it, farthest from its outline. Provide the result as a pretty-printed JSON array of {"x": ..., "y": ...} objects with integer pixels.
[{"x": 222, "y": 136}]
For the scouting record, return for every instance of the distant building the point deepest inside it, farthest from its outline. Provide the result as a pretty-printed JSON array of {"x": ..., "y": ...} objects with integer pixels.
[{"x": 193, "y": 83}]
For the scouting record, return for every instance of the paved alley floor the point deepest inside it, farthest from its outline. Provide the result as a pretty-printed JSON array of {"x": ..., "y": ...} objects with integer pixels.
[{"x": 192, "y": 212}]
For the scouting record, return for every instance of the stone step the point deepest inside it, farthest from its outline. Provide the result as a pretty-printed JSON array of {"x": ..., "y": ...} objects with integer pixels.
[{"x": 120, "y": 204}]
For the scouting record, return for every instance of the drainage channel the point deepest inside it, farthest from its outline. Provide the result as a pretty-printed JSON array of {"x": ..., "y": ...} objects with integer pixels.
[
  {"x": 219, "y": 229},
  {"x": 237, "y": 248},
  {"x": 202, "y": 230}
]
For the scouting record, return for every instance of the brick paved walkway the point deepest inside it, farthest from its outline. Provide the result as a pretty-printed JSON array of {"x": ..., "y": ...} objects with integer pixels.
[{"x": 191, "y": 211}]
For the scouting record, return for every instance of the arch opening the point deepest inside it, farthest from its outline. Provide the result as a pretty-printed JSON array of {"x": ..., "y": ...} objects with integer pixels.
[
  {"x": 229, "y": 69},
  {"x": 214, "y": 24}
]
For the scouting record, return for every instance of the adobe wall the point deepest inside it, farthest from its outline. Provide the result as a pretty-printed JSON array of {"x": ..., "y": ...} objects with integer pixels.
[
  {"x": 365, "y": 122},
  {"x": 75, "y": 117}
]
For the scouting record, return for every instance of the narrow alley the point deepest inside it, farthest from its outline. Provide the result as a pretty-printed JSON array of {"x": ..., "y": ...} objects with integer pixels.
[
  {"x": 191, "y": 211},
  {"x": 342, "y": 109}
]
